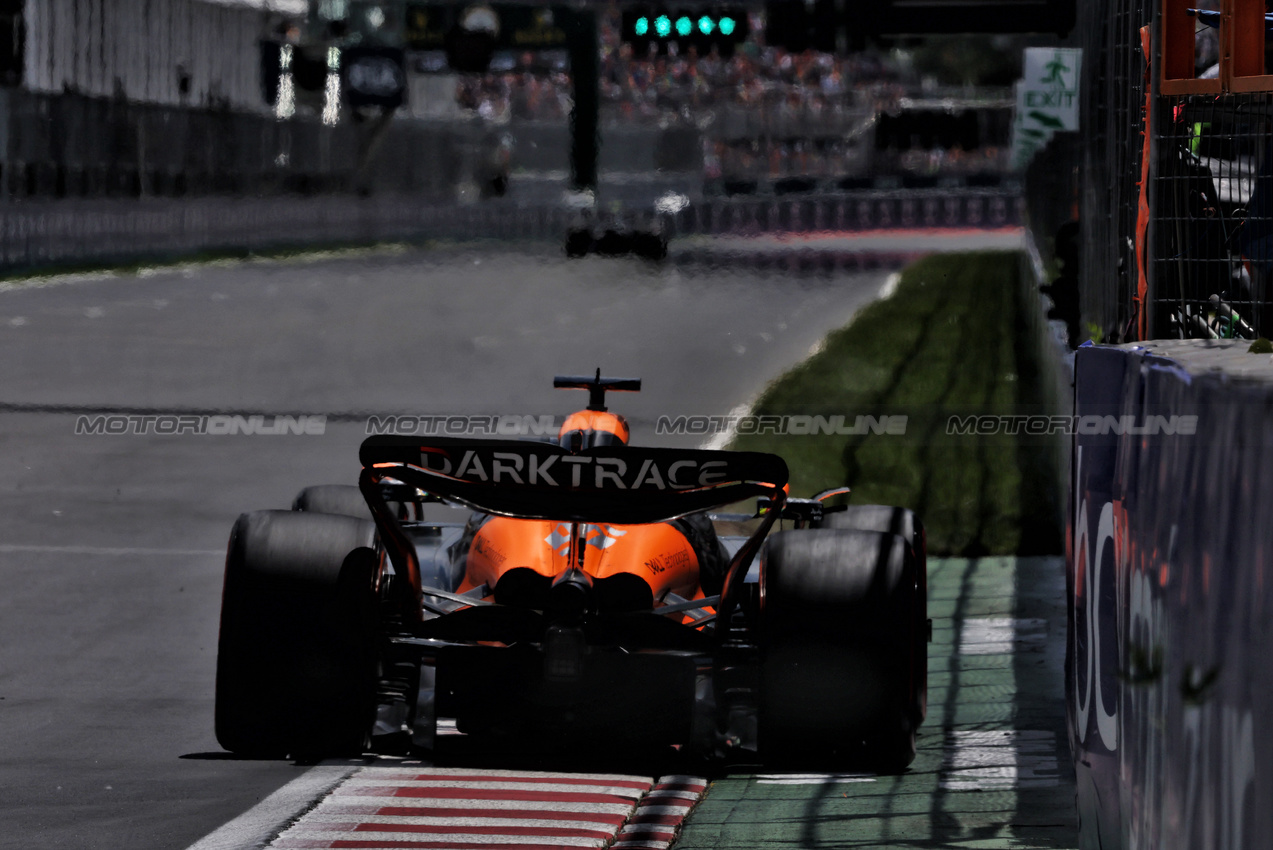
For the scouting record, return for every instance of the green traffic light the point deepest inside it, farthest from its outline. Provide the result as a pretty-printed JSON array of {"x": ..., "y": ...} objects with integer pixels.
[
  {"x": 706, "y": 25},
  {"x": 683, "y": 26},
  {"x": 663, "y": 26},
  {"x": 642, "y": 25},
  {"x": 727, "y": 25}
]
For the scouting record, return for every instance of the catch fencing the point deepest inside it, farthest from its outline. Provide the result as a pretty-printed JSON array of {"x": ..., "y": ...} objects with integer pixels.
[
  {"x": 1170, "y": 179},
  {"x": 1214, "y": 237}
]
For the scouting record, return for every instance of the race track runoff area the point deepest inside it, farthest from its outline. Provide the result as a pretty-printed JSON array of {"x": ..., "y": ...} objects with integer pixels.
[{"x": 993, "y": 768}]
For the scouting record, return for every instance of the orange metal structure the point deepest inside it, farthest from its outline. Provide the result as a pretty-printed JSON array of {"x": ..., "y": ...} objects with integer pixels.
[{"x": 1242, "y": 63}]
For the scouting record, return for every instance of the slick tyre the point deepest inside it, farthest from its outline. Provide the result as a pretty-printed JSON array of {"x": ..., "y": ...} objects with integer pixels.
[
  {"x": 578, "y": 243},
  {"x": 342, "y": 499},
  {"x": 297, "y": 655},
  {"x": 339, "y": 499},
  {"x": 649, "y": 246},
  {"x": 836, "y": 632},
  {"x": 907, "y": 525}
]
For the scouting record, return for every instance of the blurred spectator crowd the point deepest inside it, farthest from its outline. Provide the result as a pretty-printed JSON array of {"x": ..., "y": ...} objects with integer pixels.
[
  {"x": 684, "y": 88},
  {"x": 793, "y": 86},
  {"x": 762, "y": 111}
]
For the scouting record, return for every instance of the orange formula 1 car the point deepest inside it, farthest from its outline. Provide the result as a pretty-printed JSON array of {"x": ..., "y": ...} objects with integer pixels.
[{"x": 589, "y": 596}]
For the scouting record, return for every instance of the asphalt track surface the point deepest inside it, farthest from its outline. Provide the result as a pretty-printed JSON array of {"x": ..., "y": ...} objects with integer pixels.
[{"x": 111, "y": 547}]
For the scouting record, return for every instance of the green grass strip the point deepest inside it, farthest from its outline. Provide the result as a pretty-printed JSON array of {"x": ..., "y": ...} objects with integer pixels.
[{"x": 949, "y": 342}]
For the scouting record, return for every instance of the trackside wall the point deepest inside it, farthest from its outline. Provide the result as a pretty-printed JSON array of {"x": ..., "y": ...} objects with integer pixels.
[
  {"x": 189, "y": 53},
  {"x": 1171, "y": 598},
  {"x": 83, "y": 232},
  {"x": 1049, "y": 339}
]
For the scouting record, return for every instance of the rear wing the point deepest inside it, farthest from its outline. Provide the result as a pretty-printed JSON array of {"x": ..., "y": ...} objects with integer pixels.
[
  {"x": 611, "y": 484},
  {"x": 605, "y": 484}
]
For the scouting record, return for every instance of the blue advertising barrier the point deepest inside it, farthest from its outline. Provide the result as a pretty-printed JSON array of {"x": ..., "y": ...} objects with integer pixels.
[{"x": 1170, "y": 578}]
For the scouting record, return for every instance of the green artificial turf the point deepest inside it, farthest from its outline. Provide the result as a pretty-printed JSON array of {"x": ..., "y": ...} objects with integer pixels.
[{"x": 950, "y": 341}]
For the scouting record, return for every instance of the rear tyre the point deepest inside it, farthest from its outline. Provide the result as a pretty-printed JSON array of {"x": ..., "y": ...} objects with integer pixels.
[
  {"x": 297, "y": 655},
  {"x": 342, "y": 499},
  {"x": 649, "y": 246},
  {"x": 837, "y": 634},
  {"x": 578, "y": 243},
  {"x": 905, "y": 524}
]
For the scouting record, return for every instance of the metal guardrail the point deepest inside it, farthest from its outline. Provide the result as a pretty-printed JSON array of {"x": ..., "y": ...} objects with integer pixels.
[
  {"x": 75, "y": 233},
  {"x": 851, "y": 212}
]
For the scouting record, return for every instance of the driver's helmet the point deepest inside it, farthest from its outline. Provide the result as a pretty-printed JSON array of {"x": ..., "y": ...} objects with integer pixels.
[{"x": 589, "y": 428}]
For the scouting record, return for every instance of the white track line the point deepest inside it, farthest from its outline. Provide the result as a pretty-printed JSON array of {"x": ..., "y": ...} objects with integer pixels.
[
  {"x": 812, "y": 778},
  {"x": 664, "y": 796},
  {"x": 1008, "y": 759},
  {"x": 721, "y": 439},
  {"x": 666, "y": 810},
  {"x": 264, "y": 820},
  {"x": 999, "y": 635},
  {"x": 890, "y": 286}
]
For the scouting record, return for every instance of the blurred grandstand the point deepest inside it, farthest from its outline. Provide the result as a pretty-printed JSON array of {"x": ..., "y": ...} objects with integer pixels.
[
  {"x": 104, "y": 98},
  {"x": 769, "y": 120}
]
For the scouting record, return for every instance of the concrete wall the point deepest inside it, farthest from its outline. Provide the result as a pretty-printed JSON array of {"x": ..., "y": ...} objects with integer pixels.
[
  {"x": 1170, "y": 598},
  {"x": 1052, "y": 354}
]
